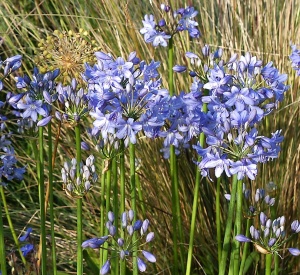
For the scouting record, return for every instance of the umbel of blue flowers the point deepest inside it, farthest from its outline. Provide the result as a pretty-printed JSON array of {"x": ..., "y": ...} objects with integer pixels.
[
  {"x": 257, "y": 204},
  {"x": 240, "y": 93},
  {"x": 295, "y": 59},
  {"x": 271, "y": 236},
  {"x": 8, "y": 161},
  {"x": 74, "y": 186},
  {"x": 126, "y": 97},
  {"x": 36, "y": 97},
  {"x": 125, "y": 246},
  {"x": 170, "y": 23},
  {"x": 72, "y": 103}
]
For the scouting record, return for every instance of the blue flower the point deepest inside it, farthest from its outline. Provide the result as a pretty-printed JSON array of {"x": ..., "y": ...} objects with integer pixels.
[
  {"x": 244, "y": 168},
  {"x": 105, "y": 268},
  {"x": 127, "y": 130},
  {"x": 125, "y": 246},
  {"x": 94, "y": 242},
  {"x": 32, "y": 108},
  {"x": 149, "y": 27},
  {"x": 295, "y": 58},
  {"x": 270, "y": 237},
  {"x": 78, "y": 186},
  {"x": 26, "y": 236},
  {"x": 186, "y": 21},
  {"x": 26, "y": 249}
]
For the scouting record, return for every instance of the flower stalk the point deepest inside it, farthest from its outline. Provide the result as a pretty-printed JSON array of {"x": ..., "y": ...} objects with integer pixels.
[{"x": 79, "y": 203}]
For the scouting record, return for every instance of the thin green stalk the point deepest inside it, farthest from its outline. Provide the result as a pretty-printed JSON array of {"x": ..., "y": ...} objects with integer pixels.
[
  {"x": 12, "y": 230},
  {"x": 115, "y": 257},
  {"x": 133, "y": 203},
  {"x": 107, "y": 206},
  {"x": 79, "y": 204},
  {"x": 268, "y": 268},
  {"x": 122, "y": 199},
  {"x": 102, "y": 206},
  {"x": 51, "y": 208},
  {"x": 218, "y": 219},
  {"x": 195, "y": 205},
  {"x": 228, "y": 229},
  {"x": 176, "y": 218},
  {"x": 193, "y": 223},
  {"x": 2, "y": 244},
  {"x": 140, "y": 193},
  {"x": 276, "y": 260},
  {"x": 237, "y": 227},
  {"x": 42, "y": 201},
  {"x": 245, "y": 249}
]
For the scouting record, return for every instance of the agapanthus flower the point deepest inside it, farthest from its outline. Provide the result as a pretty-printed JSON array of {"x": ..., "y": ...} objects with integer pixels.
[
  {"x": 178, "y": 21},
  {"x": 8, "y": 160},
  {"x": 38, "y": 96},
  {"x": 271, "y": 236},
  {"x": 295, "y": 59},
  {"x": 29, "y": 247},
  {"x": 11, "y": 64},
  {"x": 239, "y": 93},
  {"x": 125, "y": 97},
  {"x": 73, "y": 103},
  {"x": 125, "y": 246},
  {"x": 78, "y": 186},
  {"x": 255, "y": 204}
]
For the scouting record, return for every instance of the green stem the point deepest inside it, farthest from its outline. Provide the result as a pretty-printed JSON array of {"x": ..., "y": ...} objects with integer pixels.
[
  {"x": 79, "y": 204},
  {"x": 107, "y": 206},
  {"x": 115, "y": 257},
  {"x": 195, "y": 205},
  {"x": 227, "y": 235},
  {"x": 193, "y": 223},
  {"x": 276, "y": 260},
  {"x": 139, "y": 188},
  {"x": 12, "y": 230},
  {"x": 102, "y": 206},
  {"x": 2, "y": 244},
  {"x": 218, "y": 219},
  {"x": 268, "y": 264},
  {"x": 174, "y": 216},
  {"x": 42, "y": 201},
  {"x": 122, "y": 199},
  {"x": 51, "y": 208},
  {"x": 133, "y": 203},
  {"x": 245, "y": 249},
  {"x": 237, "y": 227}
]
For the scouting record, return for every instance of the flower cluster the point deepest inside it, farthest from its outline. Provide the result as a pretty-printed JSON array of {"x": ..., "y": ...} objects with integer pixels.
[
  {"x": 8, "y": 161},
  {"x": 125, "y": 97},
  {"x": 73, "y": 103},
  {"x": 238, "y": 95},
  {"x": 295, "y": 58},
  {"x": 77, "y": 186},
  {"x": 174, "y": 22},
  {"x": 255, "y": 205},
  {"x": 124, "y": 245},
  {"x": 271, "y": 236},
  {"x": 38, "y": 96}
]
